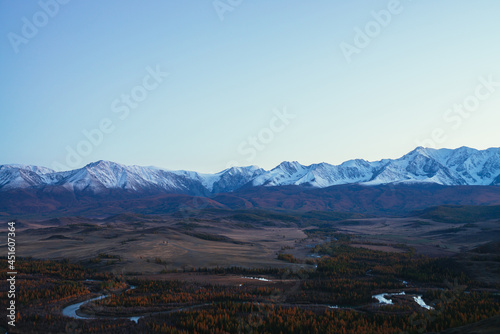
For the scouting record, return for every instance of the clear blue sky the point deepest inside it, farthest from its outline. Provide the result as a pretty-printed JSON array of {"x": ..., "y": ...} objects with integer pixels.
[{"x": 231, "y": 65}]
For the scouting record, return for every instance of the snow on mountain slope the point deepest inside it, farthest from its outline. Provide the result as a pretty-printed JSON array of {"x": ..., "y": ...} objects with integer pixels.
[
  {"x": 234, "y": 178},
  {"x": 324, "y": 175},
  {"x": 101, "y": 175},
  {"x": 225, "y": 181},
  {"x": 462, "y": 166},
  {"x": 420, "y": 165},
  {"x": 22, "y": 176},
  {"x": 285, "y": 173}
]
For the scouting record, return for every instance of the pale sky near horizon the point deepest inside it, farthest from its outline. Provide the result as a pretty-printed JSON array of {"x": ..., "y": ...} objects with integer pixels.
[{"x": 249, "y": 82}]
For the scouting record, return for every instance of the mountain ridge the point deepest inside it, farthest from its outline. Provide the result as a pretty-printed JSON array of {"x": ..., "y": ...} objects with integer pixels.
[{"x": 450, "y": 167}]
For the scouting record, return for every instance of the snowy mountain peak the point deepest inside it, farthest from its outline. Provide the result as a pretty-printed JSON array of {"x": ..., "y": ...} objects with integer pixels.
[
  {"x": 103, "y": 164},
  {"x": 461, "y": 166},
  {"x": 35, "y": 169},
  {"x": 290, "y": 167}
]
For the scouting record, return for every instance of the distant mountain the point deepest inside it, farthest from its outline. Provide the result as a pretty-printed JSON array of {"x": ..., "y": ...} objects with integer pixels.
[
  {"x": 462, "y": 166},
  {"x": 418, "y": 180},
  {"x": 101, "y": 176}
]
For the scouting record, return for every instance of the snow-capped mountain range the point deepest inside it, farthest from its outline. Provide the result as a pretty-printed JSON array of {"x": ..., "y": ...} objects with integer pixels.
[{"x": 462, "y": 166}]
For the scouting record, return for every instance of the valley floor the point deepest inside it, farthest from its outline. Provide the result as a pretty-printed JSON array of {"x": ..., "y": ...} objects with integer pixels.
[{"x": 244, "y": 272}]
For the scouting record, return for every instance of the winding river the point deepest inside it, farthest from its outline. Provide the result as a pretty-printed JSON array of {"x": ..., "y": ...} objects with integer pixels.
[{"x": 71, "y": 310}]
